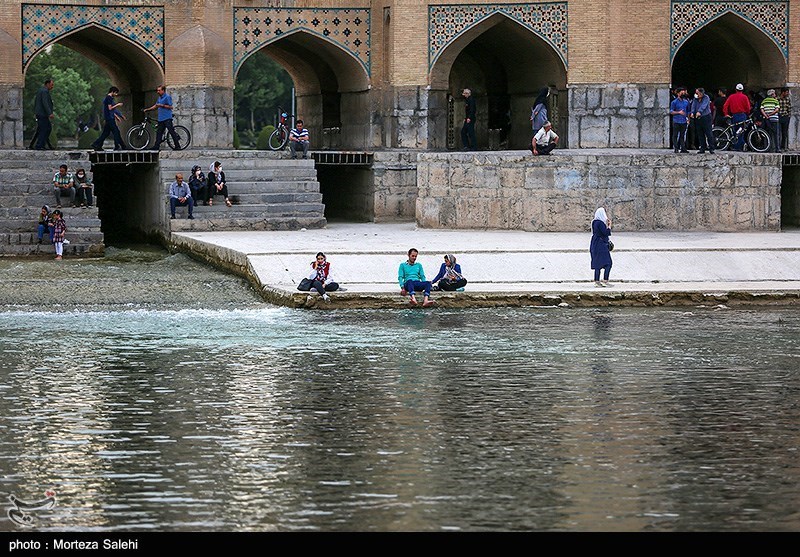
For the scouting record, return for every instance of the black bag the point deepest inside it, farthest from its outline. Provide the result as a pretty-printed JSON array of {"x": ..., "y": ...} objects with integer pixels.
[
  {"x": 305, "y": 284},
  {"x": 610, "y": 245}
]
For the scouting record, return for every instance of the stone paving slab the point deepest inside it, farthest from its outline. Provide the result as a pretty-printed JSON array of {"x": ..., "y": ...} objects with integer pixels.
[{"x": 502, "y": 265}]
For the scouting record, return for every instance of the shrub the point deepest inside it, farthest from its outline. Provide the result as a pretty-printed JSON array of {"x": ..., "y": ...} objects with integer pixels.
[{"x": 263, "y": 137}]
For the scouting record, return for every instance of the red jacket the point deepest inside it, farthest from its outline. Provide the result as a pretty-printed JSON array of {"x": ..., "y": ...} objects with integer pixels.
[{"x": 737, "y": 103}]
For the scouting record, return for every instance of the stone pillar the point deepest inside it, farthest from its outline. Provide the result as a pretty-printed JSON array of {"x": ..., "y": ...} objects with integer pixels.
[
  {"x": 619, "y": 115},
  {"x": 407, "y": 117},
  {"x": 209, "y": 112},
  {"x": 11, "y": 117}
]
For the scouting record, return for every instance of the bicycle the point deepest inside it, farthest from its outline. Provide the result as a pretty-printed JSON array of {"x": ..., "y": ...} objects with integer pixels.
[
  {"x": 757, "y": 139},
  {"x": 279, "y": 139},
  {"x": 139, "y": 135}
]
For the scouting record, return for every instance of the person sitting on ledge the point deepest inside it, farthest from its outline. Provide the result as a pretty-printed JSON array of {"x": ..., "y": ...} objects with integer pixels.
[
  {"x": 411, "y": 277},
  {"x": 45, "y": 219},
  {"x": 449, "y": 277},
  {"x": 217, "y": 184},
  {"x": 84, "y": 187},
  {"x": 180, "y": 194},
  {"x": 63, "y": 182},
  {"x": 545, "y": 140},
  {"x": 197, "y": 183},
  {"x": 319, "y": 278},
  {"x": 298, "y": 139}
]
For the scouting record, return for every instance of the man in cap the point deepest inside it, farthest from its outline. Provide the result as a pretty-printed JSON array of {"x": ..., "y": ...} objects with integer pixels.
[{"x": 737, "y": 107}]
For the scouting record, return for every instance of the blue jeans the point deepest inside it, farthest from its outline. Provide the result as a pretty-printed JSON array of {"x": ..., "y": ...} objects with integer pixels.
[
  {"x": 173, "y": 203},
  {"x": 738, "y": 118},
  {"x": 412, "y": 286},
  {"x": 110, "y": 128},
  {"x": 41, "y": 229},
  {"x": 44, "y": 127}
]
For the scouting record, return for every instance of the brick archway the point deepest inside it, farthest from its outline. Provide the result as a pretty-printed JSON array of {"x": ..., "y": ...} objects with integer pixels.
[{"x": 505, "y": 63}]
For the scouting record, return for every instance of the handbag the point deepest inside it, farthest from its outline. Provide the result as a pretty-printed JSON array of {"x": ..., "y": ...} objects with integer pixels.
[
  {"x": 610, "y": 245},
  {"x": 305, "y": 284}
]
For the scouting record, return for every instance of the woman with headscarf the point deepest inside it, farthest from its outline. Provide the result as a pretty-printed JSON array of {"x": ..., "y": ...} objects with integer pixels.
[
  {"x": 599, "y": 247},
  {"x": 319, "y": 278},
  {"x": 216, "y": 183},
  {"x": 539, "y": 110},
  {"x": 449, "y": 277}
]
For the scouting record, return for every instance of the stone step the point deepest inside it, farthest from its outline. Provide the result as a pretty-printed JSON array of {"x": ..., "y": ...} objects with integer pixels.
[
  {"x": 198, "y": 224},
  {"x": 32, "y": 212},
  {"x": 46, "y": 250},
  {"x": 266, "y": 187},
  {"x": 254, "y": 159},
  {"x": 73, "y": 224},
  {"x": 219, "y": 210},
  {"x": 27, "y": 237},
  {"x": 261, "y": 174},
  {"x": 269, "y": 198}
]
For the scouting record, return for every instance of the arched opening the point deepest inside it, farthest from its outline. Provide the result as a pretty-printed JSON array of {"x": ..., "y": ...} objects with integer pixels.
[
  {"x": 505, "y": 65},
  {"x": 727, "y": 51},
  {"x": 127, "y": 66},
  {"x": 331, "y": 89}
]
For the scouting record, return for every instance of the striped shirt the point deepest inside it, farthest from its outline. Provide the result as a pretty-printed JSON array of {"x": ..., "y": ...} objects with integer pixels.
[
  {"x": 770, "y": 107},
  {"x": 64, "y": 181},
  {"x": 300, "y": 135}
]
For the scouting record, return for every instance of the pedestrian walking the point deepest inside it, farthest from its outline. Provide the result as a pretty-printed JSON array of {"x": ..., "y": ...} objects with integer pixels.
[{"x": 600, "y": 247}]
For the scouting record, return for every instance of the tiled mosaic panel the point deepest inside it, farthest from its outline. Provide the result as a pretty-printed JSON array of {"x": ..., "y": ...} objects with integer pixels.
[
  {"x": 347, "y": 28},
  {"x": 769, "y": 16},
  {"x": 447, "y": 22},
  {"x": 42, "y": 24}
]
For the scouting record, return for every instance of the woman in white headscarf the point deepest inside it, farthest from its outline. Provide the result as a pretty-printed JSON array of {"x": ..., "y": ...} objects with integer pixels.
[{"x": 599, "y": 248}]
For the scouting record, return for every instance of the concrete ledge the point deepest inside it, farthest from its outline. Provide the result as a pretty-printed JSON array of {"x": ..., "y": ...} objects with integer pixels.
[{"x": 656, "y": 270}]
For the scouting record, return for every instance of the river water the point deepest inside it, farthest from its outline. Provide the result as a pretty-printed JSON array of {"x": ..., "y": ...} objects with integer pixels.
[{"x": 168, "y": 397}]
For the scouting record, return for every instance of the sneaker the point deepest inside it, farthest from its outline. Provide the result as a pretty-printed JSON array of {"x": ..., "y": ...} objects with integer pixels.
[
  {"x": 606, "y": 283},
  {"x": 326, "y": 298},
  {"x": 171, "y": 217},
  {"x": 191, "y": 217},
  {"x": 598, "y": 284}
]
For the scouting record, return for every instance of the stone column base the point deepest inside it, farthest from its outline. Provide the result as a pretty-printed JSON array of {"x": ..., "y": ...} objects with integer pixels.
[
  {"x": 207, "y": 112},
  {"x": 619, "y": 115},
  {"x": 11, "y": 117}
]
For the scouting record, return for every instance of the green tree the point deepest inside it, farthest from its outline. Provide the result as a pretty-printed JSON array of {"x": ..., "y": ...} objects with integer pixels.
[
  {"x": 71, "y": 99},
  {"x": 62, "y": 58},
  {"x": 261, "y": 86}
]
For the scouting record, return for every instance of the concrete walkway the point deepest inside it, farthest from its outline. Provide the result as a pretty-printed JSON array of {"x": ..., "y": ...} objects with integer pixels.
[{"x": 510, "y": 267}]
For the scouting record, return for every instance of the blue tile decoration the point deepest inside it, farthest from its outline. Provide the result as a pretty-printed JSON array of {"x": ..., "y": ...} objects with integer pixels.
[
  {"x": 771, "y": 17},
  {"x": 347, "y": 28},
  {"x": 44, "y": 24},
  {"x": 446, "y": 22}
]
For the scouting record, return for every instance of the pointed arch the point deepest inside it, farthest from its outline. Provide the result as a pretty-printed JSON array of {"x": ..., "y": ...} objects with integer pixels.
[{"x": 729, "y": 49}]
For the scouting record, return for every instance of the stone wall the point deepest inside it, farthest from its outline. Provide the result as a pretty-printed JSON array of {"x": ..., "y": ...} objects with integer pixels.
[
  {"x": 640, "y": 190},
  {"x": 395, "y": 185},
  {"x": 619, "y": 115},
  {"x": 11, "y": 116}
]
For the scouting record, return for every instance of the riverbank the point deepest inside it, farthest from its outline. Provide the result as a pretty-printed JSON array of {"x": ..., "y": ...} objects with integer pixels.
[{"x": 512, "y": 268}]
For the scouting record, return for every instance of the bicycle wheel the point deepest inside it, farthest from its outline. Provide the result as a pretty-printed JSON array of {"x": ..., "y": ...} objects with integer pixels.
[
  {"x": 278, "y": 139},
  {"x": 759, "y": 140},
  {"x": 722, "y": 138},
  {"x": 184, "y": 138},
  {"x": 139, "y": 137}
]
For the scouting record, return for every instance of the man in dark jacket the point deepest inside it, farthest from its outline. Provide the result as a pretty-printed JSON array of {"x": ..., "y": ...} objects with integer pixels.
[
  {"x": 43, "y": 108},
  {"x": 468, "y": 140}
]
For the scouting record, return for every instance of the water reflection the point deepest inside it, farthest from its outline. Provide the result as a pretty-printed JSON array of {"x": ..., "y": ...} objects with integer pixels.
[{"x": 448, "y": 419}]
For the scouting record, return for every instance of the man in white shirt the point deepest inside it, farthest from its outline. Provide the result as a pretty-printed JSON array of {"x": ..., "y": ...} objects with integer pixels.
[{"x": 545, "y": 140}]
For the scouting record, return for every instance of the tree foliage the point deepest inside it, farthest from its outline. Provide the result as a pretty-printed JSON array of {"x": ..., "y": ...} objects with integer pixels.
[
  {"x": 261, "y": 86},
  {"x": 84, "y": 80}
]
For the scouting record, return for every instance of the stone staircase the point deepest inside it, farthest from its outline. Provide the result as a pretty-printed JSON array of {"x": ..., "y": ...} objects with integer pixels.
[
  {"x": 267, "y": 190},
  {"x": 25, "y": 187}
]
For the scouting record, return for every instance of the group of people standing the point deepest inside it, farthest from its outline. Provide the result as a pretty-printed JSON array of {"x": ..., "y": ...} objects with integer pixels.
[
  {"x": 199, "y": 189},
  {"x": 693, "y": 118}
]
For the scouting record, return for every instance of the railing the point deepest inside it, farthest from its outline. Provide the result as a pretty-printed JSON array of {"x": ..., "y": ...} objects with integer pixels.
[
  {"x": 124, "y": 157},
  {"x": 343, "y": 158}
]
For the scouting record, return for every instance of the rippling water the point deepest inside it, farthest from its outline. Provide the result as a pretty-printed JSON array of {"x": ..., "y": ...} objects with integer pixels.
[{"x": 258, "y": 418}]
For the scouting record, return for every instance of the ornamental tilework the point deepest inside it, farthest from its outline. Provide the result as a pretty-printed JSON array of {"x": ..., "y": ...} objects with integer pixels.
[
  {"x": 347, "y": 28},
  {"x": 447, "y": 22},
  {"x": 43, "y": 24},
  {"x": 769, "y": 16}
]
